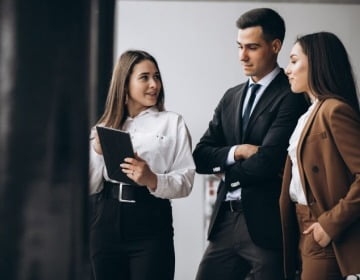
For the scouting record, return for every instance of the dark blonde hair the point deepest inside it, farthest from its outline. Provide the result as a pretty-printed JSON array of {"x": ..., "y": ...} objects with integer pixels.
[
  {"x": 330, "y": 72},
  {"x": 115, "y": 107}
]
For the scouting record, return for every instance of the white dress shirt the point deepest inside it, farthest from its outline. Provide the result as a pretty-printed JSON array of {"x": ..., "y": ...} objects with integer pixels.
[
  {"x": 264, "y": 82},
  {"x": 163, "y": 141},
  {"x": 296, "y": 190}
]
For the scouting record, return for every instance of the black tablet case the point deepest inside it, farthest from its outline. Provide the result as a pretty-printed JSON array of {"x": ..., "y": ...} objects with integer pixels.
[{"x": 116, "y": 146}]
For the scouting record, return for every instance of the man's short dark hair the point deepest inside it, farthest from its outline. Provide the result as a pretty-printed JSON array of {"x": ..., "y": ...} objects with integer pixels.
[{"x": 272, "y": 24}]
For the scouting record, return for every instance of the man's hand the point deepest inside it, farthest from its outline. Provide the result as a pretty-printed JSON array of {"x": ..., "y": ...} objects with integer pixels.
[{"x": 244, "y": 151}]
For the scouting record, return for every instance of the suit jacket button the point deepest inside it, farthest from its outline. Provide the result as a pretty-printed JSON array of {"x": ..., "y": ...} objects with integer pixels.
[{"x": 315, "y": 169}]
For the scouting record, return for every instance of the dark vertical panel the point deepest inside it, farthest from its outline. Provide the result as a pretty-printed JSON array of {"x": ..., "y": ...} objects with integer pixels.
[
  {"x": 44, "y": 93},
  {"x": 102, "y": 42}
]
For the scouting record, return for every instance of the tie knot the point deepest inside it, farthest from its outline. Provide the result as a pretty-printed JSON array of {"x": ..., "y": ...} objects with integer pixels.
[{"x": 254, "y": 88}]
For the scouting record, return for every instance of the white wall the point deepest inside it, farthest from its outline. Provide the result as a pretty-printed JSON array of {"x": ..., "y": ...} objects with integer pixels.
[{"x": 195, "y": 45}]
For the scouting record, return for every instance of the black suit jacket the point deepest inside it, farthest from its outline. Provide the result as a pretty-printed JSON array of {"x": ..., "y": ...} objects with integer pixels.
[{"x": 270, "y": 126}]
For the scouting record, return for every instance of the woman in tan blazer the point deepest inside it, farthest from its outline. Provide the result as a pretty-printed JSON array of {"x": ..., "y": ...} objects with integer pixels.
[{"x": 320, "y": 199}]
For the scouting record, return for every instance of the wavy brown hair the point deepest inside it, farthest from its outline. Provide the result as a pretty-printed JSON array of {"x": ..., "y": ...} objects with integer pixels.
[
  {"x": 330, "y": 72},
  {"x": 115, "y": 108}
]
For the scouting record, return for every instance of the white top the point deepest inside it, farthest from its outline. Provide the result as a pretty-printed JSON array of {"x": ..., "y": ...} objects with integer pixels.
[
  {"x": 264, "y": 82},
  {"x": 296, "y": 190},
  {"x": 163, "y": 141}
]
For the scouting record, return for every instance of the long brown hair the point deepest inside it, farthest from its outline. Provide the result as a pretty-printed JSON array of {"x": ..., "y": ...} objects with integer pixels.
[
  {"x": 115, "y": 107},
  {"x": 330, "y": 72}
]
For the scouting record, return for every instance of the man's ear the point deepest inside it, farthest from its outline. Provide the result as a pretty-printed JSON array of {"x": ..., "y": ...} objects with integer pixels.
[{"x": 276, "y": 46}]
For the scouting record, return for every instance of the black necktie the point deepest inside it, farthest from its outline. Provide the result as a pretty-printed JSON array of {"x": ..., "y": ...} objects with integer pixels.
[{"x": 246, "y": 116}]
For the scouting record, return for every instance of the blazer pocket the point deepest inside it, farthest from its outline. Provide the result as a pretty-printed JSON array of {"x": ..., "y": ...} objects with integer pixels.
[
  {"x": 314, "y": 137},
  {"x": 311, "y": 248}
]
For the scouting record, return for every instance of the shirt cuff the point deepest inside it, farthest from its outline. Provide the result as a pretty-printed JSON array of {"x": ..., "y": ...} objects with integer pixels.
[
  {"x": 231, "y": 156},
  {"x": 160, "y": 190},
  {"x": 169, "y": 187}
]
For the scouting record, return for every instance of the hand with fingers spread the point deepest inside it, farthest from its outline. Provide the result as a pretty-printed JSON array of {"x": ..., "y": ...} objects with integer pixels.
[
  {"x": 139, "y": 171},
  {"x": 320, "y": 236}
]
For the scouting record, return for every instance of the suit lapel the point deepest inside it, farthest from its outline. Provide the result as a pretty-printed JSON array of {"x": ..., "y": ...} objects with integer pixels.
[
  {"x": 303, "y": 135},
  {"x": 238, "y": 112},
  {"x": 272, "y": 92}
]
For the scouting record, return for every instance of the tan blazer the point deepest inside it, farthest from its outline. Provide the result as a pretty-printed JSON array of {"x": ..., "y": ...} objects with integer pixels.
[{"x": 329, "y": 162}]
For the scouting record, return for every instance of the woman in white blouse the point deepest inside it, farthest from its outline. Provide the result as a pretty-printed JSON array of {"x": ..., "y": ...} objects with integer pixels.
[
  {"x": 320, "y": 198},
  {"x": 131, "y": 234}
]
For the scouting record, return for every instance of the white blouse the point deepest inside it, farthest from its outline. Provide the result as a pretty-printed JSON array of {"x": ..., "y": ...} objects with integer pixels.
[
  {"x": 296, "y": 190},
  {"x": 163, "y": 141}
]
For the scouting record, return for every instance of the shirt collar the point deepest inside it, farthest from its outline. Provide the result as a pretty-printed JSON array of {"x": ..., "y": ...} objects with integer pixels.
[
  {"x": 265, "y": 81},
  {"x": 150, "y": 110}
]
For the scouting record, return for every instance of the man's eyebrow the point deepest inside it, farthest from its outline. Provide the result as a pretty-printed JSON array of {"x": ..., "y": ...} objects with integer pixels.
[{"x": 249, "y": 44}]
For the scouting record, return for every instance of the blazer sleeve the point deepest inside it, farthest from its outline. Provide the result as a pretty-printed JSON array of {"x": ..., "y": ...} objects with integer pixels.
[
  {"x": 268, "y": 162},
  {"x": 211, "y": 152},
  {"x": 344, "y": 125}
]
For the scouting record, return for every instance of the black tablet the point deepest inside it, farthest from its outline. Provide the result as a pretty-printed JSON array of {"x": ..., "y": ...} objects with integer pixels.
[{"x": 116, "y": 146}]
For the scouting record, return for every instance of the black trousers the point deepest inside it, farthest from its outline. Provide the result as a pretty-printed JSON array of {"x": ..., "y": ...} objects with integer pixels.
[
  {"x": 131, "y": 241},
  {"x": 232, "y": 255}
]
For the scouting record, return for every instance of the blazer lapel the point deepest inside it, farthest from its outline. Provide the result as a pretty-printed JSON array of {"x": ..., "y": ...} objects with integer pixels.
[
  {"x": 238, "y": 112},
  {"x": 266, "y": 99},
  {"x": 303, "y": 135},
  {"x": 272, "y": 92}
]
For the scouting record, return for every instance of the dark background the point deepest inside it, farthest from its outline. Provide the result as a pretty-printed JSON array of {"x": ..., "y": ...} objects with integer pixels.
[{"x": 55, "y": 67}]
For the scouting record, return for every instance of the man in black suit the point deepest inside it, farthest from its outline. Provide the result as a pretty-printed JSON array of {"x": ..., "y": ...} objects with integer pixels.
[{"x": 245, "y": 145}]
